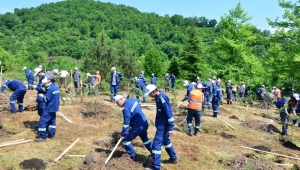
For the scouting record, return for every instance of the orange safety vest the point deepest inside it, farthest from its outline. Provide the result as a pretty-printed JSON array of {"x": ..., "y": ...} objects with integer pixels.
[
  {"x": 195, "y": 99},
  {"x": 278, "y": 95},
  {"x": 98, "y": 79}
]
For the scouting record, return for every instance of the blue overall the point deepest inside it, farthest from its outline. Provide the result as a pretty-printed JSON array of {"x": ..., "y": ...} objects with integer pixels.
[
  {"x": 190, "y": 87},
  {"x": 164, "y": 122},
  {"x": 114, "y": 84},
  {"x": 135, "y": 119},
  {"x": 48, "y": 117},
  {"x": 140, "y": 84},
  {"x": 173, "y": 81},
  {"x": 215, "y": 100},
  {"x": 153, "y": 80},
  {"x": 40, "y": 90},
  {"x": 207, "y": 91},
  {"x": 19, "y": 90},
  {"x": 30, "y": 78}
]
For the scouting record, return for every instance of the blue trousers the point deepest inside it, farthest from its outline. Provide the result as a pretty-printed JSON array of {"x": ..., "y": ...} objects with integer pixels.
[
  {"x": 48, "y": 119},
  {"x": 196, "y": 114},
  {"x": 30, "y": 83},
  {"x": 138, "y": 94},
  {"x": 41, "y": 106},
  {"x": 206, "y": 101},
  {"x": 284, "y": 120},
  {"x": 19, "y": 96},
  {"x": 132, "y": 134},
  {"x": 161, "y": 138},
  {"x": 172, "y": 86},
  {"x": 215, "y": 106},
  {"x": 113, "y": 91}
]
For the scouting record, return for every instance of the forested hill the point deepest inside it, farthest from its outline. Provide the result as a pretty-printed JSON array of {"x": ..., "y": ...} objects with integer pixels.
[{"x": 66, "y": 28}]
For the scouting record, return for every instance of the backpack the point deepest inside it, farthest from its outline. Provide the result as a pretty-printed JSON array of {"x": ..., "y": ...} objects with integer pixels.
[{"x": 280, "y": 103}]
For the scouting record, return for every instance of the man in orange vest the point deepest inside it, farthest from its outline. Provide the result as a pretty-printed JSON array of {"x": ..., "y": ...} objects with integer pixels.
[
  {"x": 277, "y": 93},
  {"x": 196, "y": 98}
]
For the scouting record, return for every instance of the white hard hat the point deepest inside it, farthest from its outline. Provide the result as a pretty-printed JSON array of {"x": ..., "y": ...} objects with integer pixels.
[
  {"x": 97, "y": 71},
  {"x": 88, "y": 74},
  {"x": 142, "y": 72},
  {"x": 213, "y": 82},
  {"x": 40, "y": 66},
  {"x": 75, "y": 68},
  {"x": 37, "y": 70},
  {"x": 194, "y": 83},
  {"x": 229, "y": 81},
  {"x": 243, "y": 82},
  {"x": 185, "y": 83},
  {"x": 199, "y": 86},
  {"x": 113, "y": 68},
  {"x": 149, "y": 89},
  {"x": 118, "y": 97},
  {"x": 45, "y": 80},
  {"x": 55, "y": 71},
  {"x": 296, "y": 96},
  {"x": 152, "y": 74},
  {"x": 24, "y": 68}
]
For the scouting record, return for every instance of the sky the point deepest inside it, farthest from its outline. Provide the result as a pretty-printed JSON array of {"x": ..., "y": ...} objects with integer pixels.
[{"x": 259, "y": 10}]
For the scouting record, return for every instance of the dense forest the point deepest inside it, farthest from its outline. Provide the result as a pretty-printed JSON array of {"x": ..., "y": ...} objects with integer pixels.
[{"x": 93, "y": 35}]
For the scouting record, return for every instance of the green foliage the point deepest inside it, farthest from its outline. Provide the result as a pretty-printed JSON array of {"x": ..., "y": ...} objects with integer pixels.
[
  {"x": 174, "y": 66},
  {"x": 192, "y": 59},
  {"x": 155, "y": 62},
  {"x": 233, "y": 58}
]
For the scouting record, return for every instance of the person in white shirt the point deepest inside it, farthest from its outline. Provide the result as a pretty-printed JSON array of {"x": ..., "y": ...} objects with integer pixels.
[
  {"x": 242, "y": 90},
  {"x": 63, "y": 80}
]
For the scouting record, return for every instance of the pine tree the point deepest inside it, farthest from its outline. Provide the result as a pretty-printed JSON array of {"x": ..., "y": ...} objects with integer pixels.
[
  {"x": 192, "y": 62},
  {"x": 174, "y": 67}
]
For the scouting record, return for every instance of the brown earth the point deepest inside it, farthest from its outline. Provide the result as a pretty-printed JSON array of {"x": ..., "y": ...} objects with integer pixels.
[
  {"x": 34, "y": 163},
  {"x": 97, "y": 122}
]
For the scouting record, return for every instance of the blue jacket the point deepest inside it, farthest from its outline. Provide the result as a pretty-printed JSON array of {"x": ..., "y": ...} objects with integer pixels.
[
  {"x": 207, "y": 88},
  {"x": 153, "y": 80},
  {"x": 164, "y": 119},
  {"x": 13, "y": 85},
  {"x": 141, "y": 76},
  {"x": 190, "y": 87},
  {"x": 52, "y": 98},
  {"x": 40, "y": 89},
  {"x": 173, "y": 79},
  {"x": 29, "y": 74},
  {"x": 133, "y": 116},
  {"x": 118, "y": 78},
  {"x": 140, "y": 84},
  {"x": 216, "y": 94}
]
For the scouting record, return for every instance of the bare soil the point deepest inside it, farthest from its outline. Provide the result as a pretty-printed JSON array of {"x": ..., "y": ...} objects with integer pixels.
[
  {"x": 33, "y": 164},
  {"x": 262, "y": 126}
]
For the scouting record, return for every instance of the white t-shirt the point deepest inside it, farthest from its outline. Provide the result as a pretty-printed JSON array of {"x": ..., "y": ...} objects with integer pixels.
[{"x": 64, "y": 73}]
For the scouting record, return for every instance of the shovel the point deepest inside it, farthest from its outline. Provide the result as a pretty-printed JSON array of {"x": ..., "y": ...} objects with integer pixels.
[{"x": 112, "y": 152}]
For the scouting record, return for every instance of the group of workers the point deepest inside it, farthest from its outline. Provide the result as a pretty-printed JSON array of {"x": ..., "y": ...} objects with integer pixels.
[
  {"x": 135, "y": 122},
  {"x": 48, "y": 99}
]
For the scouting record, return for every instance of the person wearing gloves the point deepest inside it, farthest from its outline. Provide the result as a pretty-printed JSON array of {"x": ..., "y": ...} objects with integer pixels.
[
  {"x": 134, "y": 124},
  {"x": 195, "y": 109},
  {"x": 48, "y": 117},
  {"x": 30, "y": 77},
  {"x": 40, "y": 90},
  {"x": 19, "y": 91},
  {"x": 216, "y": 98},
  {"x": 164, "y": 123},
  {"x": 189, "y": 87}
]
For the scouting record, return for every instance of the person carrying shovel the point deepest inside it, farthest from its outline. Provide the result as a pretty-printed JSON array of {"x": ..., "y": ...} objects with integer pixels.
[{"x": 134, "y": 124}]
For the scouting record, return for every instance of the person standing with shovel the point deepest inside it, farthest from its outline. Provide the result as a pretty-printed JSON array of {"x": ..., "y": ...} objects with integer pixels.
[{"x": 134, "y": 124}]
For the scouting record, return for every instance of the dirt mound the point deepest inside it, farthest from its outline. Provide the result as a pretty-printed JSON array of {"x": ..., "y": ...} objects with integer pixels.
[
  {"x": 31, "y": 107},
  {"x": 227, "y": 136},
  {"x": 180, "y": 122},
  {"x": 4, "y": 103},
  {"x": 242, "y": 162},
  {"x": 262, "y": 147},
  {"x": 290, "y": 145},
  {"x": 262, "y": 126},
  {"x": 31, "y": 124},
  {"x": 233, "y": 117},
  {"x": 120, "y": 160},
  {"x": 223, "y": 111},
  {"x": 5, "y": 133},
  {"x": 35, "y": 164},
  {"x": 97, "y": 110}
]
